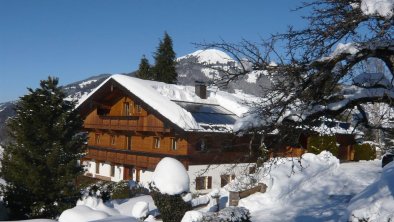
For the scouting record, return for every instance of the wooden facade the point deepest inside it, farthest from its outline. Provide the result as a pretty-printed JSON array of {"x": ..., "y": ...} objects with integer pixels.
[{"x": 126, "y": 131}]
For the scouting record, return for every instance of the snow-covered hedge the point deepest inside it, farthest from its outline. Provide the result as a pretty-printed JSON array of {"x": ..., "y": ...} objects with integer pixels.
[
  {"x": 107, "y": 190},
  {"x": 228, "y": 214}
]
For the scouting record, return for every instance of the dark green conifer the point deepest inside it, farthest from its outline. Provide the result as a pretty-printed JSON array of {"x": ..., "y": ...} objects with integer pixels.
[
  {"x": 144, "y": 70},
  {"x": 40, "y": 163},
  {"x": 164, "y": 70}
]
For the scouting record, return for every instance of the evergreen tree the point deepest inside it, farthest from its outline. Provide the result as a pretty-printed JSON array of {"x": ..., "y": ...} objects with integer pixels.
[
  {"x": 40, "y": 163},
  {"x": 164, "y": 70},
  {"x": 144, "y": 70}
]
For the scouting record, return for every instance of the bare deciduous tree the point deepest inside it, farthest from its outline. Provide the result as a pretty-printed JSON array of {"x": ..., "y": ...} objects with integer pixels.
[{"x": 315, "y": 72}]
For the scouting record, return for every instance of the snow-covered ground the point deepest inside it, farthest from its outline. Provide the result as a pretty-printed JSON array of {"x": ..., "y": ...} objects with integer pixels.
[
  {"x": 321, "y": 190},
  {"x": 317, "y": 193}
]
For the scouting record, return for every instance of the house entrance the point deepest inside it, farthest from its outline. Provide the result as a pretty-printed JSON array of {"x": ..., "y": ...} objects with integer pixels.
[{"x": 128, "y": 172}]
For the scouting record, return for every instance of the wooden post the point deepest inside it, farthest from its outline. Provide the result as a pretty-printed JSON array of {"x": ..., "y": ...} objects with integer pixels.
[{"x": 233, "y": 198}]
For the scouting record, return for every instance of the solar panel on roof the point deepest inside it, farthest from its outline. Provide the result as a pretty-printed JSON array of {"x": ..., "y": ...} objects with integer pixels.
[{"x": 209, "y": 113}]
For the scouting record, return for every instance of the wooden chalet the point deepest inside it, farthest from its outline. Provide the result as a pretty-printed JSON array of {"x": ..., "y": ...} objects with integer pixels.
[{"x": 132, "y": 124}]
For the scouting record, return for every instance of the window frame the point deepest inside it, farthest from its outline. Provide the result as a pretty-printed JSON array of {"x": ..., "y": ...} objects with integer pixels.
[
  {"x": 97, "y": 171},
  {"x": 97, "y": 138},
  {"x": 113, "y": 140},
  {"x": 156, "y": 142},
  {"x": 112, "y": 170},
  {"x": 138, "y": 108},
  {"x": 203, "y": 182},
  {"x": 129, "y": 142},
  {"x": 173, "y": 143},
  {"x": 226, "y": 179},
  {"x": 126, "y": 109}
]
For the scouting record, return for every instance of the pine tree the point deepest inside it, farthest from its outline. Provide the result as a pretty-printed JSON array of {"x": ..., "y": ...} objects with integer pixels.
[
  {"x": 164, "y": 70},
  {"x": 144, "y": 70},
  {"x": 40, "y": 163}
]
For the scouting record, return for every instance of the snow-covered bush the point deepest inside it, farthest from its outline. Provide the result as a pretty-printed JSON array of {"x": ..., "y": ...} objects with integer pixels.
[
  {"x": 170, "y": 177},
  {"x": 120, "y": 190},
  {"x": 228, "y": 214},
  {"x": 107, "y": 190},
  {"x": 100, "y": 189},
  {"x": 136, "y": 190},
  {"x": 171, "y": 207},
  {"x": 170, "y": 181}
]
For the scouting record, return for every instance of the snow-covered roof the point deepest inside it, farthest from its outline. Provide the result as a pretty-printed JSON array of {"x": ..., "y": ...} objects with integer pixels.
[{"x": 169, "y": 100}]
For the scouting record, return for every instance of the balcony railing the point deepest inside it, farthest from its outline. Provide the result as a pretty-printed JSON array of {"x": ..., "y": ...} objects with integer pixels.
[{"x": 128, "y": 123}]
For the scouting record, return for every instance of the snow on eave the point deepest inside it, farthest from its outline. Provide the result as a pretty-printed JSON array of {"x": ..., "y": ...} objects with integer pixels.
[{"x": 143, "y": 90}]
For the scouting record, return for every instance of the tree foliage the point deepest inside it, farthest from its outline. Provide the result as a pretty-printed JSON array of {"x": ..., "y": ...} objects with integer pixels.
[
  {"x": 164, "y": 69},
  {"x": 172, "y": 207},
  {"x": 315, "y": 71},
  {"x": 40, "y": 163},
  {"x": 144, "y": 70}
]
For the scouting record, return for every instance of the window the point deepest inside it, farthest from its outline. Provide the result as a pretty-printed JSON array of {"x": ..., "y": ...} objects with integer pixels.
[
  {"x": 156, "y": 142},
  {"x": 173, "y": 144},
  {"x": 112, "y": 171},
  {"x": 202, "y": 145},
  {"x": 138, "y": 108},
  {"x": 126, "y": 109},
  {"x": 128, "y": 142},
  {"x": 97, "y": 168},
  {"x": 113, "y": 139},
  {"x": 203, "y": 183},
  {"x": 97, "y": 138},
  {"x": 225, "y": 179}
]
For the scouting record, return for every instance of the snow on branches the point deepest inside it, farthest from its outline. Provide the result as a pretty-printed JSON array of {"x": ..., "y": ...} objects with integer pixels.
[{"x": 317, "y": 74}]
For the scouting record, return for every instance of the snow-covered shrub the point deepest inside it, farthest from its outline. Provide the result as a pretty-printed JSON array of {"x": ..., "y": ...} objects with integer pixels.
[
  {"x": 171, "y": 207},
  {"x": 137, "y": 190},
  {"x": 242, "y": 182},
  {"x": 170, "y": 181},
  {"x": 107, "y": 190},
  {"x": 228, "y": 214},
  {"x": 100, "y": 189},
  {"x": 120, "y": 190},
  {"x": 170, "y": 177}
]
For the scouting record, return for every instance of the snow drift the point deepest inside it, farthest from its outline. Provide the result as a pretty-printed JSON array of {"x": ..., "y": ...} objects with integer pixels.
[{"x": 376, "y": 202}]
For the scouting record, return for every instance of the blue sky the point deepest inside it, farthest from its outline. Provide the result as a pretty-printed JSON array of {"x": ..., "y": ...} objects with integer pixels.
[{"x": 75, "y": 39}]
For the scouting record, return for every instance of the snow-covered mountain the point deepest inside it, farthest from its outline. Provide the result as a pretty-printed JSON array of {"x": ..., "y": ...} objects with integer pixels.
[
  {"x": 190, "y": 68},
  {"x": 195, "y": 67}
]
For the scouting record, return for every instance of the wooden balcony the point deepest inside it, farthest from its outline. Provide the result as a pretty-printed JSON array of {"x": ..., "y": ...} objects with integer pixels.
[
  {"x": 127, "y": 123},
  {"x": 140, "y": 159}
]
